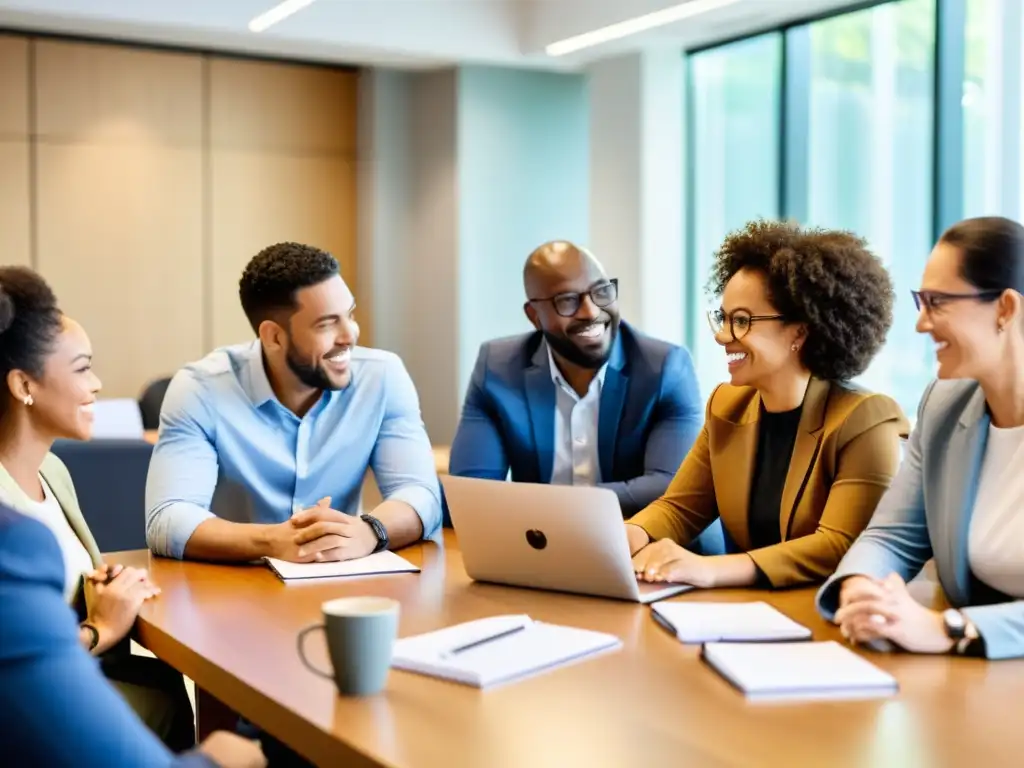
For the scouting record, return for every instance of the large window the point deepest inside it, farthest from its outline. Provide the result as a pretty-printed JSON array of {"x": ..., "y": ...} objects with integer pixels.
[
  {"x": 735, "y": 98},
  {"x": 831, "y": 123},
  {"x": 869, "y": 169},
  {"x": 991, "y": 104}
]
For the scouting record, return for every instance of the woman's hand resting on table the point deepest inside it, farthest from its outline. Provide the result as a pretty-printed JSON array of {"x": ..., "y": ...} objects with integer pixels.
[
  {"x": 885, "y": 610},
  {"x": 113, "y": 606},
  {"x": 666, "y": 561}
]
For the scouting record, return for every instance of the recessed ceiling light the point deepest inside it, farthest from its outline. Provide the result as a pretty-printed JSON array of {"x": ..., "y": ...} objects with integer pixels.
[
  {"x": 277, "y": 13},
  {"x": 635, "y": 25}
]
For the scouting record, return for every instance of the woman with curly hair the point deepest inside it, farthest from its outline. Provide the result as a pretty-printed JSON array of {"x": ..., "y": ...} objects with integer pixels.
[
  {"x": 792, "y": 458},
  {"x": 959, "y": 493}
]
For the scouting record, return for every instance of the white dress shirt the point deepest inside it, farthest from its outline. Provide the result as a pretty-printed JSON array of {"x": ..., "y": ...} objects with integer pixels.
[
  {"x": 996, "y": 538},
  {"x": 576, "y": 459}
]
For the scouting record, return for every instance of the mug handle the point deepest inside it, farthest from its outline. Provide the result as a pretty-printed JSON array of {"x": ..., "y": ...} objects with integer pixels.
[{"x": 301, "y": 643}]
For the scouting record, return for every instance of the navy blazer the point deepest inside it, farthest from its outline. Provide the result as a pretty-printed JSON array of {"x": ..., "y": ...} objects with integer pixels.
[
  {"x": 650, "y": 414},
  {"x": 926, "y": 513},
  {"x": 58, "y": 708}
]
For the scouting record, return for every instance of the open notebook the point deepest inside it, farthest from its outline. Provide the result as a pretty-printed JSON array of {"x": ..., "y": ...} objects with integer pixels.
[
  {"x": 497, "y": 649},
  {"x": 823, "y": 670},
  {"x": 727, "y": 622},
  {"x": 379, "y": 562}
]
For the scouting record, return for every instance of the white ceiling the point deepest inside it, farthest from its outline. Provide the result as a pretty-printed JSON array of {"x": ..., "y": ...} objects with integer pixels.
[{"x": 407, "y": 33}]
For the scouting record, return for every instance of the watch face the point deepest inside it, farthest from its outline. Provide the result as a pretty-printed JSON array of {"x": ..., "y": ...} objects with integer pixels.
[{"x": 955, "y": 623}]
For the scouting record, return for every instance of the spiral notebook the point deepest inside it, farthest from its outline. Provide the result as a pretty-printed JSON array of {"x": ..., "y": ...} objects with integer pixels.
[{"x": 498, "y": 649}]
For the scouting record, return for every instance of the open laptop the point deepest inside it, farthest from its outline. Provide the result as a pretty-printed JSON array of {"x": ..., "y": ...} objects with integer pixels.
[{"x": 557, "y": 537}]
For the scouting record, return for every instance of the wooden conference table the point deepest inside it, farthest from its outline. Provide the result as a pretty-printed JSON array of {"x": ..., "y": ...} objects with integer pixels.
[{"x": 232, "y": 629}]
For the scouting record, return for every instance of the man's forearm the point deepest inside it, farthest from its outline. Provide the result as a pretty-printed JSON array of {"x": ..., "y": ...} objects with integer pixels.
[
  {"x": 403, "y": 524},
  {"x": 216, "y": 539}
]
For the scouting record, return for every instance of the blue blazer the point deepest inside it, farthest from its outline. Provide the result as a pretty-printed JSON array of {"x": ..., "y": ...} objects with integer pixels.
[
  {"x": 58, "y": 708},
  {"x": 650, "y": 414},
  {"x": 927, "y": 513}
]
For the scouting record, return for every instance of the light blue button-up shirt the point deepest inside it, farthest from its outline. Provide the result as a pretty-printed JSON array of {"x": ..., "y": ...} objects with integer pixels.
[{"x": 222, "y": 425}]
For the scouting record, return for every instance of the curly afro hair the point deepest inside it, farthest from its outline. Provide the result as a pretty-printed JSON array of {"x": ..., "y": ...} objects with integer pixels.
[
  {"x": 271, "y": 279},
  {"x": 826, "y": 279}
]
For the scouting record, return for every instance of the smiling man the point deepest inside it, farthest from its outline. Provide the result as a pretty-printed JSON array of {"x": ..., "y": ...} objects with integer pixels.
[
  {"x": 585, "y": 399},
  {"x": 292, "y": 420}
]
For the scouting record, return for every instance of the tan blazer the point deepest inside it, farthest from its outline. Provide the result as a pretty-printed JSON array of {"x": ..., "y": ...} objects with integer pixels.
[
  {"x": 59, "y": 480},
  {"x": 846, "y": 454}
]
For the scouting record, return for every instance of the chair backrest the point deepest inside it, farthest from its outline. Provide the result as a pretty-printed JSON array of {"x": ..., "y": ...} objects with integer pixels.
[
  {"x": 152, "y": 401},
  {"x": 110, "y": 481},
  {"x": 117, "y": 418}
]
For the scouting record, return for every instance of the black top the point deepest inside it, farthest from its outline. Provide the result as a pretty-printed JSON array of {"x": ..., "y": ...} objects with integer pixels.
[{"x": 775, "y": 438}]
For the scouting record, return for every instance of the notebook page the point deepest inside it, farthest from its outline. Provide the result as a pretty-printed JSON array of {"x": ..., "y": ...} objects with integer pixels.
[
  {"x": 796, "y": 668},
  {"x": 537, "y": 647},
  {"x": 379, "y": 562},
  {"x": 738, "y": 622}
]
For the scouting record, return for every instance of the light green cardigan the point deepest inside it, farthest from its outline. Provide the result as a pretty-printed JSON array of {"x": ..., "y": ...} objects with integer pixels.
[{"x": 59, "y": 480}]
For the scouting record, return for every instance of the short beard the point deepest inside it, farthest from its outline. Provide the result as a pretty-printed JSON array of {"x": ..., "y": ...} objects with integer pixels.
[
  {"x": 569, "y": 351},
  {"x": 311, "y": 375}
]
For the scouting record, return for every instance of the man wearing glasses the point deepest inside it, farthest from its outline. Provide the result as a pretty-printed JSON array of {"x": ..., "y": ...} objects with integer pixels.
[{"x": 583, "y": 400}]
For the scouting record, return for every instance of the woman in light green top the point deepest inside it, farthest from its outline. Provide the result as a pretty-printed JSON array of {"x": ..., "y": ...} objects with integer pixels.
[{"x": 47, "y": 393}]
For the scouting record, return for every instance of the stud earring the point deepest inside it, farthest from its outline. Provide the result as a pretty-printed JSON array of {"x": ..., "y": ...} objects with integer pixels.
[
  {"x": 1001, "y": 328},
  {"x": 28, "y": 400},
  {"x": 796, "y": 347}
]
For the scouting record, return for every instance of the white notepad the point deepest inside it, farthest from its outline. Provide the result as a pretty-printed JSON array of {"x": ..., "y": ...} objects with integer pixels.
[
  {"x": 520, "y": 647},
  {"x": 731, "y": 622},
  {"x": 379, "y": 562},
  {"x": 823, "y": 670}
]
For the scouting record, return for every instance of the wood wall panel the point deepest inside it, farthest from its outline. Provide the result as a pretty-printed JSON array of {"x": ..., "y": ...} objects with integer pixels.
[
  {"x": 120, "y": 240},
  {"x": 13, "y": 87},
  {"x": 14, "y": 203},
  {"x": 261, "y": 199},
  {"x": 152, "y": 177},
  {"x": 282, "y": 107},
  {"x": 114, "y": 94}
]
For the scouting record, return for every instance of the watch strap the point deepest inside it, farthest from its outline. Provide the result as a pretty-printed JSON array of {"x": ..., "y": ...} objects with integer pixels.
[
  {"x": 378, "y": 530},
  {"x": 93, "y": 632}
]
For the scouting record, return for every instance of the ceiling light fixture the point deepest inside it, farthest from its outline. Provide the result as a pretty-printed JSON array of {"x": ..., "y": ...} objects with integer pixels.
[
  {"x": 277, "y": 13},
  {"x": 633, "y": 26}
]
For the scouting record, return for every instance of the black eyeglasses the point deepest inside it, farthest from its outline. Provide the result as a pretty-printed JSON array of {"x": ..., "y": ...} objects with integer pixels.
[
  {"x": 937, "y": 299},
  {"x": 739, "y": 321},
  {"x": 568, "y": 304}
]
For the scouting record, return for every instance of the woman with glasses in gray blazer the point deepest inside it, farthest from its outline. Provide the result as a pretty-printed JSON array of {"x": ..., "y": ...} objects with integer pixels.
[{"x": 959, "y": 494}]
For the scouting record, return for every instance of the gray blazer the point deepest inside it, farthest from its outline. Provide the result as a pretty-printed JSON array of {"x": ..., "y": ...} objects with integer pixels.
[{"x": 927, "y": 513}]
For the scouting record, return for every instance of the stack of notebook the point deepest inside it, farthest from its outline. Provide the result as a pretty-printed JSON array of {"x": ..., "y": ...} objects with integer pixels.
[
  {"x": 730, "y": 622},
  {"x": 497, "y": 649},
  {"x": 824, "y": 670},
  {"x": 380, "y": 562}
]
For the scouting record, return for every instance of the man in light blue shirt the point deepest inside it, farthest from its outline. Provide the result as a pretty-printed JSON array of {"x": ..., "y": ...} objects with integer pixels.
[{"x": 294, "y": 419}]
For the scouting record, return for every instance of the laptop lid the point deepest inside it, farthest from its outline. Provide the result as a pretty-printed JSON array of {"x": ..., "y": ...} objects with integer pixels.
[{"x": 556, "y": 537}]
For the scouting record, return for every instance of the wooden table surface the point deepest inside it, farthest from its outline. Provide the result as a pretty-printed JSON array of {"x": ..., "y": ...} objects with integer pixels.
[{"x": 232, "y": 629}]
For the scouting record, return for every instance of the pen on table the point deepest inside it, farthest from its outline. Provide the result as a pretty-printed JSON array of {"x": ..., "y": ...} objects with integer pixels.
[{"x": 484, "y": 640}]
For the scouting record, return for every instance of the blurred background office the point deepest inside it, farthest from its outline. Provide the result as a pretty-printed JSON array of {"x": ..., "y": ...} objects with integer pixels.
[{"x": 148, "y": 150}]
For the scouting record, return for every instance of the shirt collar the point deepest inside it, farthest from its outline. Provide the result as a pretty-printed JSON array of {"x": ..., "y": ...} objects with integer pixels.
[
  {"x": 259, "y": 389},
  {"x": 559, "y": 380}
]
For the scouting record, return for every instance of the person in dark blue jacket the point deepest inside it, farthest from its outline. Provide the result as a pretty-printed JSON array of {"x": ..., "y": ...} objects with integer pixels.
[
  {"x": 585, "y": 399},
  {"x": 58, "y": 708}
]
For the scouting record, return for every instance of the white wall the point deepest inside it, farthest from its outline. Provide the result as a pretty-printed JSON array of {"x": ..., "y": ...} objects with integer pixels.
[{"x": 462, "y": 174}]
